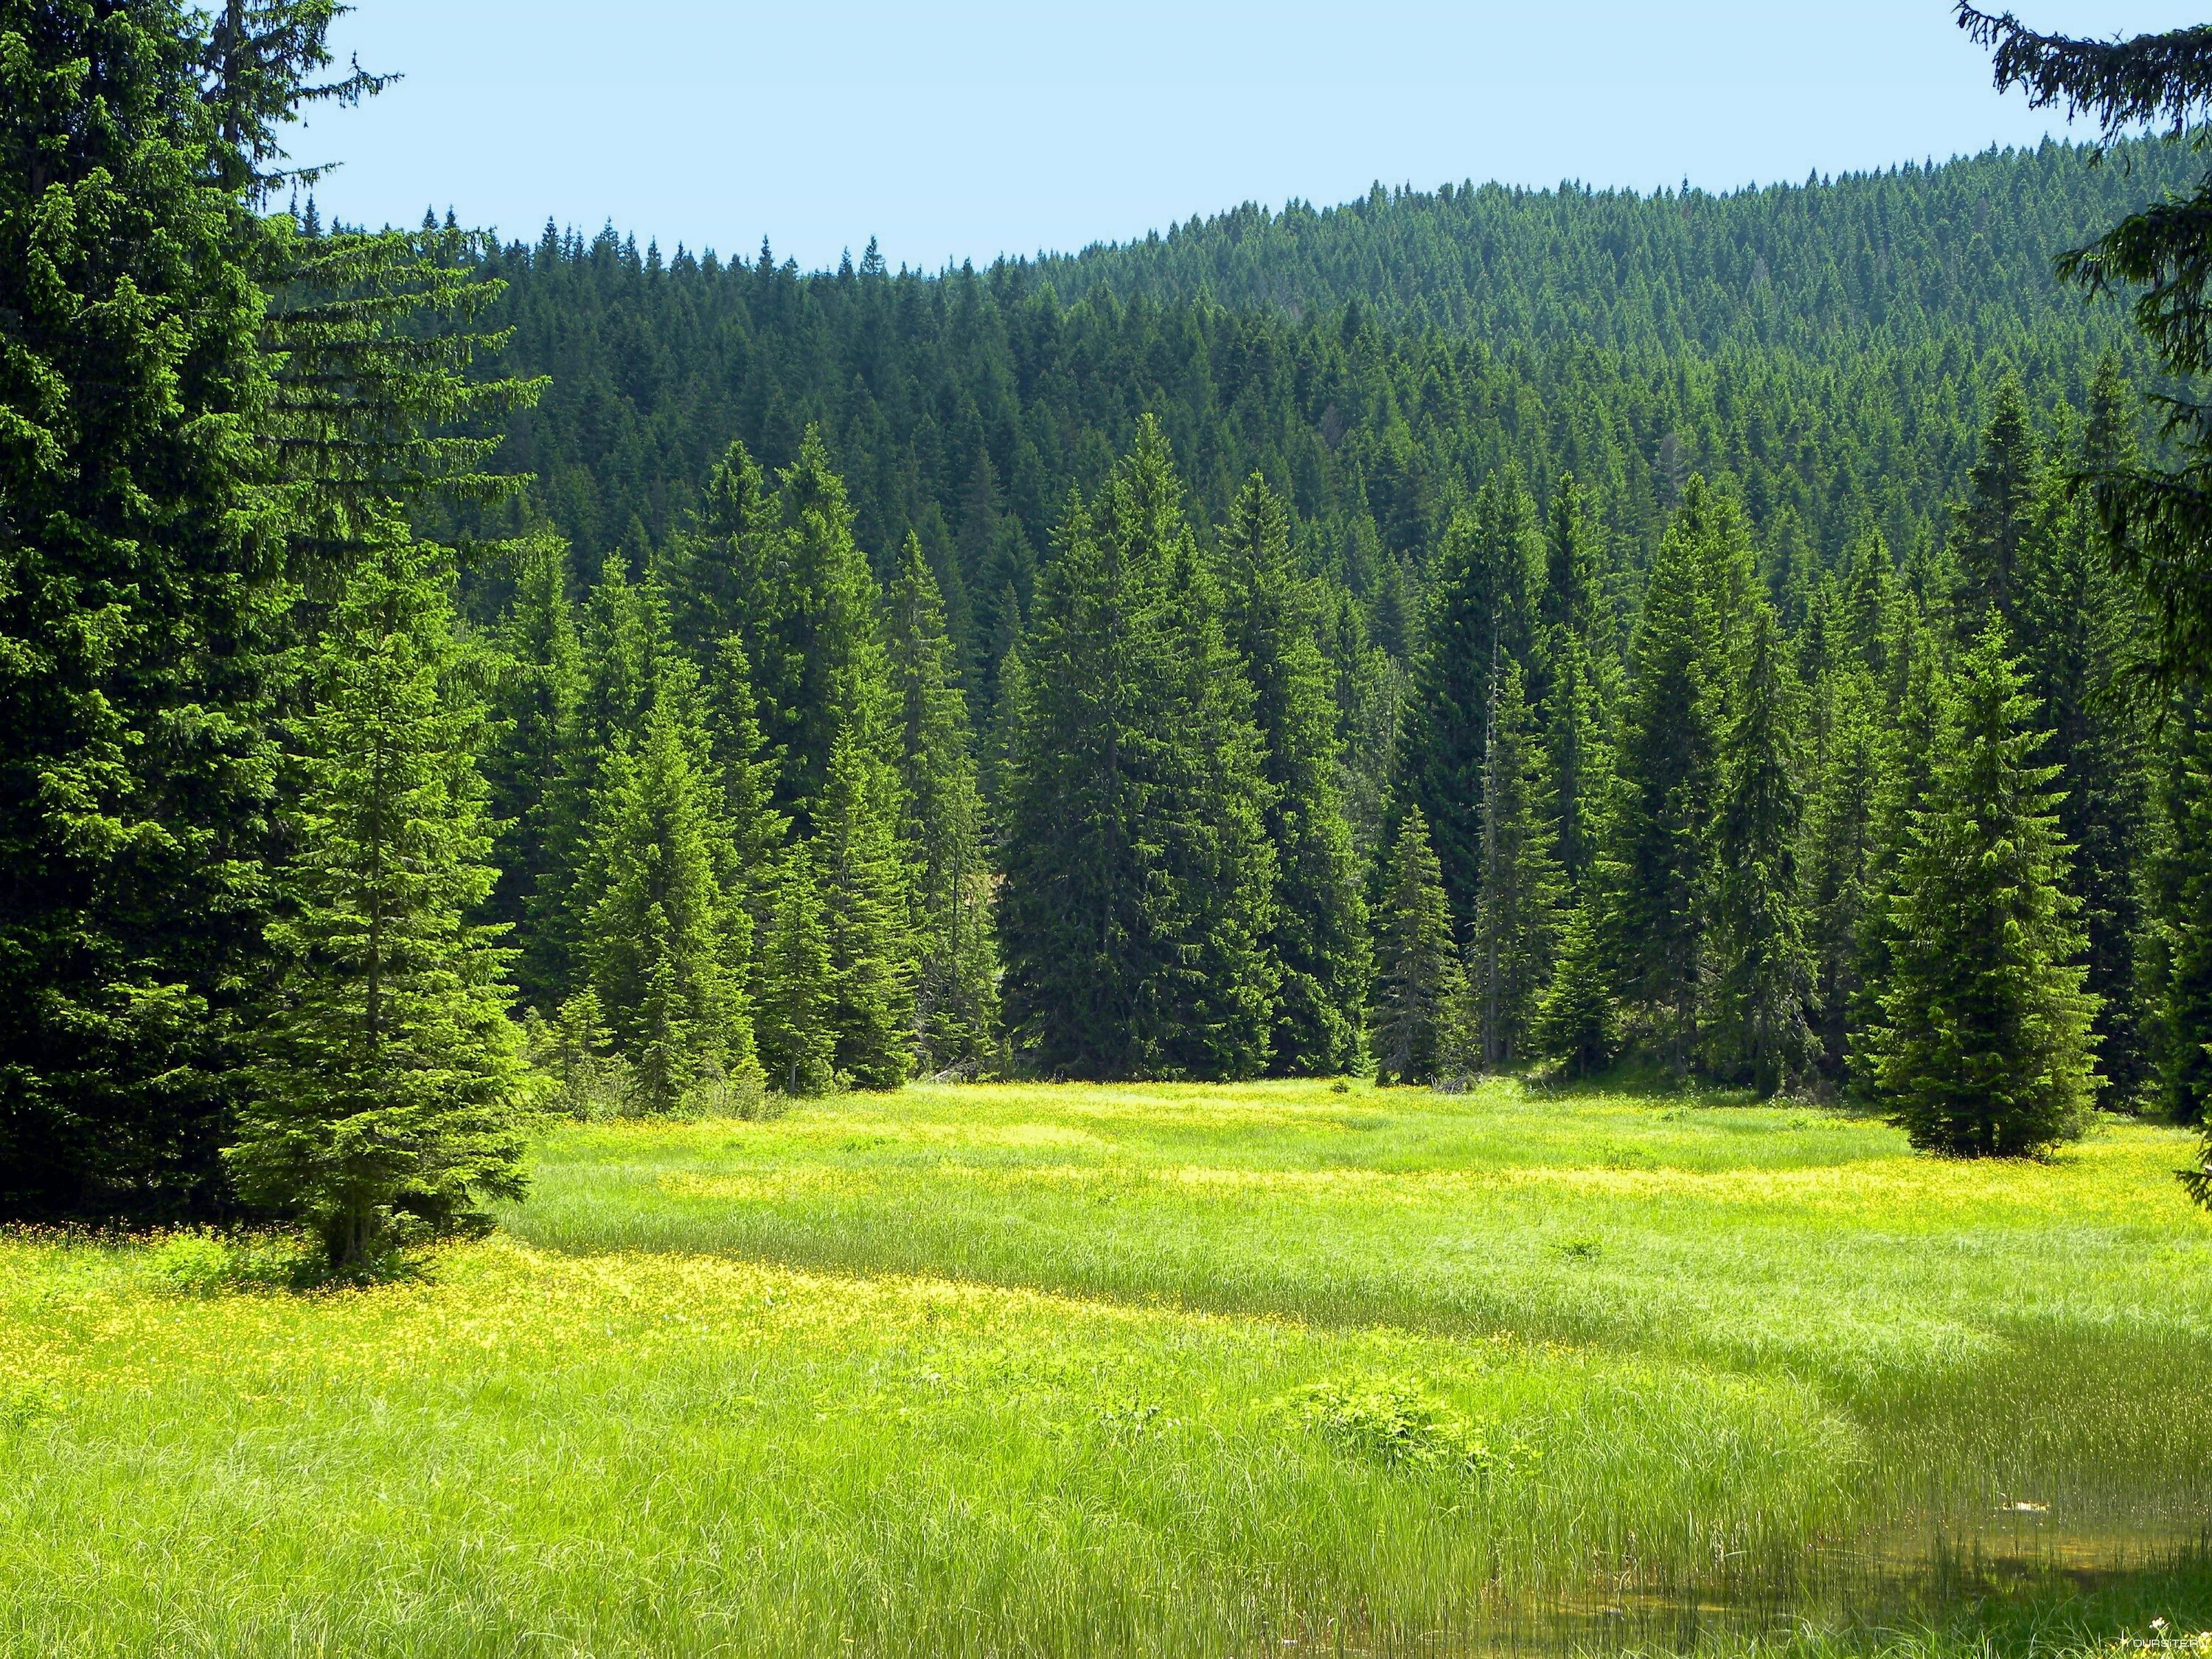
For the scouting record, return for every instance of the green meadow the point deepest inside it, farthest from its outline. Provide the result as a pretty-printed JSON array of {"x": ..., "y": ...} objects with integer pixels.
[{"x": 1150, "y": 1369}]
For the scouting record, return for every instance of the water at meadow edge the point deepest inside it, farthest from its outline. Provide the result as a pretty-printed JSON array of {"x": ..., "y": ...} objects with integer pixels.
[
  {"x": 1971, "y": 1521},
  {"x": 1915, "y": 1575}
]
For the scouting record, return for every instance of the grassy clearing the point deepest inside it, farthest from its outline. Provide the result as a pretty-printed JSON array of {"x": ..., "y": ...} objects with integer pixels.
[{"x": 1163, "y": 1370}]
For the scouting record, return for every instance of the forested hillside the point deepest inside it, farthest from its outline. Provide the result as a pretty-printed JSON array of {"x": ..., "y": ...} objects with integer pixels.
[
  {"x": 1829, "y": 346},
  {"x": 1449, "y": 635}
]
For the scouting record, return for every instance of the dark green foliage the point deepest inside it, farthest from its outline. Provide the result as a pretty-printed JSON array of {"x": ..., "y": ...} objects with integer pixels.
[
  {"x": 1139, "y": 875},
  {"x": 1919, "y": 731},
  {"x": 388, "y": 1080},
  {"x": 1582, "y": 757},
  {"x": 139, "y": 603},
  {"x": 1761, "y": 1035},
  {"x": 2159, "y": 518},
  {"x": 1998, "y": 515},
  {"x": 798, "y": 1046},
  {"x": 1516, "y": 912},
  {"x": 859, "y": 874},
  {"x": 537, "y": 775},
  {"x": 2084, "y": 646},
  {"x": 957, "y": 992},
  {"x": 1577, "y": 1024},
  {"x": 667, "y": 943},
  {"x": 1668, "y": 770},
  {"x": 2178, "y": 959},
  {"x": 1839, "y": 853},
  {"x": 1987, "y": 1047},
  {"x": 820, "y": 670},
  {"x": 719, "y": 570},
  {"x": 1421, "y": 1021},
  {"x": 1318, "y": 935},
  {"x": 1482, "y": 607}
]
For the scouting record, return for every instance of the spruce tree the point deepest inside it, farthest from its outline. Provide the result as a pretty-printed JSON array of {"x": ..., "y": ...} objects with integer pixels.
[
  {"x": 1919, "y": 731},
  {"x": 798, "y": 1046},
  {"x": 1419, "y": 1025},
  {"x": 1581, "y": 759},
  {"x": 2078, "y": 631},
  {"x": 666, "y": 945},
  {"x": 1319, "y": 934},
  {"x": 1139, "y": 876},
  {"x": 1989, "y": 530},
  {"x": 1761, "y": 1035},
  {"x": 1482, "y": 595},
  {"x": 2178, "y": 959},
  {"x": 820, "y": 669},
  {"x": 1516, "y": 914},
  {"x": 536, "y": 772},
  {"x": 140, "y": 599},
  {"x": 1578, "y": 1022},
  {"x": 1839, "y": 856},
  {"x": 1666, "y": 774},
  {"x": 1986, "y": 1049},
  {"x": 956, "y": 992},
  {"x": 859, "y": 872},
  {"x": 388, "y": 1082},
  {"x": 719, "y": 570}
]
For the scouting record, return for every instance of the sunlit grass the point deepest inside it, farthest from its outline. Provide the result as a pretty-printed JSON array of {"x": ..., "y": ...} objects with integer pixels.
[{"x": 1036, "y": 1371}]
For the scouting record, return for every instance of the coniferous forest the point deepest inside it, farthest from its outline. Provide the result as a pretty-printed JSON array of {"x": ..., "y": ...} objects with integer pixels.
[{"x": 447, "y": 678}]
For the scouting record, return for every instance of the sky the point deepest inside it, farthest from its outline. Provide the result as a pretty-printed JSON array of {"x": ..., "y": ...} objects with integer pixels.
[{"x": 958, "y": 130}]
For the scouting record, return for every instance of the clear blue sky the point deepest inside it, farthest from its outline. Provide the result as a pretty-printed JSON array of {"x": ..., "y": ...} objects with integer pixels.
[{"x": 962, "y": 129}]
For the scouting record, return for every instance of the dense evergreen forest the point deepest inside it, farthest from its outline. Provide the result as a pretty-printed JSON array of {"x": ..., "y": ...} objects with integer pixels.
[{"x": 1489, "y": 629}]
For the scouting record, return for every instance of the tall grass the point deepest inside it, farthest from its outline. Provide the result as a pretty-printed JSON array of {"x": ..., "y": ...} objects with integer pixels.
[{"x": 1166, "y": 1371}]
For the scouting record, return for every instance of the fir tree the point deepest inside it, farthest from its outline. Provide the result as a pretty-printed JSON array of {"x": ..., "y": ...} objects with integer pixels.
[
  {"x": 389, "y": 1080},
  {"x": 666, "y": 945},
  {"x": 1516, "y": 910},
  {"x": 797, "y": 1045},
  {"x": 859, "y": 872},
  {"x": 1761, "y": 1035},
  {"x": 1419, "y": 1024},
  {"x": 1319, "y": 935},
  {"x": 1578, "y": 1022},
  {"x": 957, "y": 994},
  {"x": 1986, "y": 1051}
]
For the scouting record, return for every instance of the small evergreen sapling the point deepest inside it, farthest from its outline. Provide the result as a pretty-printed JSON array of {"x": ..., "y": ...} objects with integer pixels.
[
  {"x": 1578, "y": 1022},
  {"x": 797, "y": 1044},
  {"x": 1420, "y": 1022},
  {"x": 1517, "y": 916},
  {"x": 390, "y": 1083}
]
